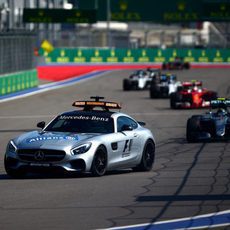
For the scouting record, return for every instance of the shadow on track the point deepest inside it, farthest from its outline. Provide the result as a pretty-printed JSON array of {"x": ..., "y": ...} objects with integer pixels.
[
  {"x": 15, "y": 130},
  {"x": 64, "y": 175},
  {"x": 179, "y": 189},
  {"x": 184, "y": 198}
]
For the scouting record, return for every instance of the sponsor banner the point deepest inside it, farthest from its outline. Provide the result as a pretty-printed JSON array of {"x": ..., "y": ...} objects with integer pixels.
[
  {"x": 19, "y": 81},
  {"x": 50, "y": 138},
  {"x": 74, "y": 55}
]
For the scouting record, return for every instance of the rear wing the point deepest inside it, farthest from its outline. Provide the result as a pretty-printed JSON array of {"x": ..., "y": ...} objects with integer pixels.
[
  {"x": 220, "y": 103},
  {"x": 192, "y": 83}
]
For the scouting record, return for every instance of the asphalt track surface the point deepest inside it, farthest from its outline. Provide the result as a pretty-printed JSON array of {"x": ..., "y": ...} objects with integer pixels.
[{"x": 187, "y": 179}]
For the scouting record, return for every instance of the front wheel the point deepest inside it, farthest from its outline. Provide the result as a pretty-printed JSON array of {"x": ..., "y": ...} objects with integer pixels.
[
  {"x": 148, "y": 157},
  {"x": 99, "y": 162},
  {"x": 192, "y": 129},
  {"x": 126, "y": 85},
  {"x": 174, "y": 98}
]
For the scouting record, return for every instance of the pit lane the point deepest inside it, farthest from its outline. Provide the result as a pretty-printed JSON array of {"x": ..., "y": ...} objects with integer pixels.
[{"x": 187, "y": 179}]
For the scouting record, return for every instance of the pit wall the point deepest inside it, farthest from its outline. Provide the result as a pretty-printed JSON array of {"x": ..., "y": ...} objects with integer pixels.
[
  {"x": 14, "y": 82},
  {"x": 77, "y": 56}
]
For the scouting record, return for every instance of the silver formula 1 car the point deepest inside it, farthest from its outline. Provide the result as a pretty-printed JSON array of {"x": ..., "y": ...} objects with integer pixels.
[
  {"x": 91, "y": 139},
  {"x": 140, "y": 79},
  {"x": 214, "y": 125}
]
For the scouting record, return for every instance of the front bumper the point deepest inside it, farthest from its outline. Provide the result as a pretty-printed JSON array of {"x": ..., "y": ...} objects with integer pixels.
[
  {"x": 188, "y": 105},
  {"x": 70, "y": 163},
  {"x": 205, "y": 136}
]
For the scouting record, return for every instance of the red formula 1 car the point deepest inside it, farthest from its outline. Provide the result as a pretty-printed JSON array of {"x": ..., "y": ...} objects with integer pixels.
[
  {"x": 192, "y": 95},
  {"x": 177, "y": 64}
]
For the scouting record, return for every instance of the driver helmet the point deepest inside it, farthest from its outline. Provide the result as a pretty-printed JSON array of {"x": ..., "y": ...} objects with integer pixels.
[{"x": 221, "y": 111}]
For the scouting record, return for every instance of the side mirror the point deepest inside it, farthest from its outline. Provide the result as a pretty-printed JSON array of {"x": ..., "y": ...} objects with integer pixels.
[
  {"x": 41, "y": 124},
  {"x": 126, "y": 128},
  {"x": 141, "y": 123}
]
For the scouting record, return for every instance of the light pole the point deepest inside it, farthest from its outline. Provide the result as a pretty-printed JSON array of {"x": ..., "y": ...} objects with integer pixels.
[{"x": 108, "y": 23}]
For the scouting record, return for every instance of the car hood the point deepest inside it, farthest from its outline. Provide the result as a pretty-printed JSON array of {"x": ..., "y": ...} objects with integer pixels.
[{"x": 36, "y": 139}]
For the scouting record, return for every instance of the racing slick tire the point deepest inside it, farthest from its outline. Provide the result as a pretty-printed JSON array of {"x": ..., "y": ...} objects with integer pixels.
[
  {"x": 14, "y": 173},
  {"x": 154, "y": 91},
  {"x": 126, "y": 85},
  {"x": 174, "y": 98},
  {"x": 164, "y": 66},
  {"x": 210, "y": 96},
  {"x": 186, "y": 65},
  {"x": 99, "y": 163},
  {"x": 148, "y": 157},
  {"x": 193, "y": 127}
]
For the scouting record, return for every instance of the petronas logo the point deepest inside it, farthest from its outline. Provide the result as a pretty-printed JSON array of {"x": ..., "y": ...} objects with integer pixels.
[
  {"x": 189, "y": 53},
  {"x": 123, "y": 5},
  {"x": 203, "y": 53},
  {"x": 181, "y": 6},
  {"x": 128, "y": 53}
]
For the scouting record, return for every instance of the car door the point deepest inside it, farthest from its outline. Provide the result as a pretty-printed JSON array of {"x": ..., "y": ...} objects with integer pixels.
[{"x": 127, "y": 143}]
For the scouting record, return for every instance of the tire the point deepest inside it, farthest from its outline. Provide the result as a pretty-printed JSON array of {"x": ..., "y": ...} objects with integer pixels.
[
  {"x": 154, "y": 91},
  {"x": 14, "y": 173},
  {"x": 210, "y": 96},
  {"x": 99, "y": 164},
  {"x": 174, "y": 98},
  {"x": 186, "y": 65},
  {"x": 164, "y": 66},
  {"x": 192, "y": 128},
  {"x": 147, "y": 158},
  {"x": 126, "y": 85}
]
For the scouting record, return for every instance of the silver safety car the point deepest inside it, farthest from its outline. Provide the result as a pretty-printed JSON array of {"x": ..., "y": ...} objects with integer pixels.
[{"x": 90, "y": 139}]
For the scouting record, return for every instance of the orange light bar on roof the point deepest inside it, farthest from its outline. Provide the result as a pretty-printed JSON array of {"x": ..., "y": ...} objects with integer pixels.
[
  {"x": 104, "y": 104},
  {"x": 97, "y": 103},
  {"x": 112, "y": 104},
  {"x": 79, "y": 103}
]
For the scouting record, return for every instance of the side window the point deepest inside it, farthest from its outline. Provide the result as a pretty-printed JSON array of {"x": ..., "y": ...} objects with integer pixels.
[{"x": 125, "y": 121}]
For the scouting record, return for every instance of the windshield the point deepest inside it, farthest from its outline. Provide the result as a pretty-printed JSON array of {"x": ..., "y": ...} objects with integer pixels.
[{"x": 81, "y": 124}]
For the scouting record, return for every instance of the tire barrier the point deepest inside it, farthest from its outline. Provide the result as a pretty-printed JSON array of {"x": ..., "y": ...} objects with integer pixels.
[{"x": 14, "y": 82}]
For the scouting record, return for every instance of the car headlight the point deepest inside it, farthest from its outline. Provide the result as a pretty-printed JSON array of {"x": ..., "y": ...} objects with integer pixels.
[
  {"x": 81, "y": 149},
  {"x": 12, "y": 147}
]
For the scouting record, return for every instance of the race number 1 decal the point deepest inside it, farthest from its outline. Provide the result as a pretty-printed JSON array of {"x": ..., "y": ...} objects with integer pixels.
[{"x": 127, "y": 147}]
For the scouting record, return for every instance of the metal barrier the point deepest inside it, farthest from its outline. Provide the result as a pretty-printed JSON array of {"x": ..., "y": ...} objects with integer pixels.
[
  {"x": 90, "y": 38},
  {"x": 16, "y": 51}
]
